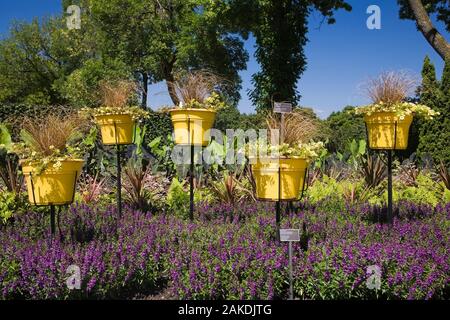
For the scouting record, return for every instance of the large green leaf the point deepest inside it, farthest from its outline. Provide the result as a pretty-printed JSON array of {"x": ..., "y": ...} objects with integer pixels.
[{"x": 5, "y": 137}]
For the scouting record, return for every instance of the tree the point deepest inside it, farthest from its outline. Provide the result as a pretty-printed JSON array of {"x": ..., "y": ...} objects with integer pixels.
[
  {"x": 280, "y": 29},
  {"x": 36, "y": 58},
  {"x": 344, "y": 127},
  {"x": 435, "y": 134},
  {"x": 228, "y": 118},
  {"x": 160, "y": 38},
  {"x": 419, "y": 11}
]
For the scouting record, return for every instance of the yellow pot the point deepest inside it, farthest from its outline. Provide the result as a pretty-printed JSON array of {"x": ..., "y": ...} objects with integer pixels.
[
  {"x": 191, "y": 126},
  {"x": 52, "y": 186},
  {"x": 292, "y": 175},
  {"x": 116, "y": 128},
  {"x": 386, "y": 131}
]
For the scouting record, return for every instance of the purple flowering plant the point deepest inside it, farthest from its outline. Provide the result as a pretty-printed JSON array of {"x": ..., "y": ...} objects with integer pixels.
[{"x": 217, "y": 258}]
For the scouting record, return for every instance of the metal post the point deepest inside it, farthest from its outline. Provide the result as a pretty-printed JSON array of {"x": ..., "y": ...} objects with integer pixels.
[
  {"x": 389, "y": 213},
  {"x": 52, "y": 219},
  {"x": 191, "y": 185},
  {"x": 278, "y": 204},
  {"x": 291, "y": 276},
  {"x": 119, "y": 183}
]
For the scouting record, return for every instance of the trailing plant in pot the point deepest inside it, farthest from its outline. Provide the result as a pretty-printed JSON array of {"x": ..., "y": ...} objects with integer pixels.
[
  {"x": 389, "y": 117},
  {"x": 116, "y": 117},
  {"x": 199, "y": 101},
  {"x": 280, "y": 170},
  {"x": 51, "y": 152}
]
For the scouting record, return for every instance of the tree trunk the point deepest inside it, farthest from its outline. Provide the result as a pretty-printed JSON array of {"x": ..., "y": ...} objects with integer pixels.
[
  {"x": 144, "y": 90},
  {"x": 170, "y": 81},
  {"x": 434, "y": 38}
]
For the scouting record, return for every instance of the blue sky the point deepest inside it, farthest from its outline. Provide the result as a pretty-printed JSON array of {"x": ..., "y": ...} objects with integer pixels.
[{"x": 340, "y": 56}]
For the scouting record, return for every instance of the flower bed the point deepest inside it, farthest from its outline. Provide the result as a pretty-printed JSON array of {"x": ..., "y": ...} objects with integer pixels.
[{"x": 214, "y": 259}]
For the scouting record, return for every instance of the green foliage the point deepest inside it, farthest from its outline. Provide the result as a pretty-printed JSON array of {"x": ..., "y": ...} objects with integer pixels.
[
  {"x": 12, "y": 204},
  {"x": 37, "y": 57},
  {"x": 435, "y": 135},
  {"x": 178, "y": 199},
  {"x": 158, "y": 125},
  {"x": 231, "y": 118},
  {"x": 332, "y": 195},
  {"x": 425, "y": 191},
  {"x": 357, "y": 151},
  {"x": 162, "y": 152},
  {"x": 5, "y": 137},
  {"x": 82, "y": 86},
  {"x": 7, "y": 205},
  {"x": 157, "y": 39},
  {"x": 228, "y": 118},
  {"x": 344, "y": 126}
]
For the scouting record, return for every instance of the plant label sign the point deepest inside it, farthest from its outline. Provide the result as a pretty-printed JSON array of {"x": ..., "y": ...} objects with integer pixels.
[
  {"x": 282, "y": 107},
  {"x": 289, "y": 235}
]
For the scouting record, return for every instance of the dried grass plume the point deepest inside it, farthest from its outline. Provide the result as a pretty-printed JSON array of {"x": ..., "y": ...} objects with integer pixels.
[
  {"x": 197, "y": 85},
  {"x": 390, "y": 87},
  {"x": 117, "y": 94},
  {"x": 298, "y": 127},
  {"x": 52, "y": 132}
]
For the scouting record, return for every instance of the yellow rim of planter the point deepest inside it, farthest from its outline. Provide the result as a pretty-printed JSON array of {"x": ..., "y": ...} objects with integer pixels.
[
  {"x": 386, "y": 131},
  {"x": 52, "y": 186},
  {"x": 116, "y": 128},
  {"x": 191, "y": 126},
  {"x": 292, "y": 172}
]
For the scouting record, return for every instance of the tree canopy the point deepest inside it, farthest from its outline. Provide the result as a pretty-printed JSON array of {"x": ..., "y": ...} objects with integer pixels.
[{"x": 435, "y": 134}]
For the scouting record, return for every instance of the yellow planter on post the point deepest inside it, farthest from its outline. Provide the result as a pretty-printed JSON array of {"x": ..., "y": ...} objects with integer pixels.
[
  {"x": 386, "y": 131},
  {"x": 191, "y": 125},
  {"x": 52, "y": 186},
  {"x": 292, "y": 173},
  {"x": 116, "y": 129}
]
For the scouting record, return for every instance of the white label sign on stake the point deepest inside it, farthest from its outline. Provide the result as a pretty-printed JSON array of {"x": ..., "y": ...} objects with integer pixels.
[
  {"x": 289, "y": 235},
  {"x": 282, "y": 107}
]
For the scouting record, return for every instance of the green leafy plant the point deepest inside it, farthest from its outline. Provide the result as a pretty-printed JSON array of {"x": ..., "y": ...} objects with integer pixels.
[
  {"x": 373, "y": 170},
  {"x": 12, "y": 204},
  {"x": 335, "y": 194},
  {"x": 357, "y": 150},
  {"x": 178, "y": 198},
  {"x": 7, "y": 205},
  {"x": 162, "y": 149}
]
